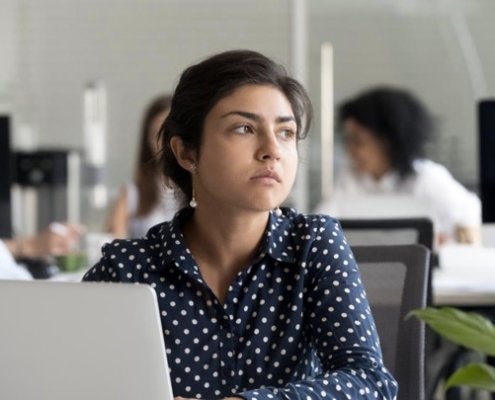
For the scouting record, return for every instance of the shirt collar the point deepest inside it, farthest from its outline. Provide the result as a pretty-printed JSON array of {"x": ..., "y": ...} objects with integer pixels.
[
  {"x": 278, "y": 238},
  {"x": 388, "y": 182},
  {"x": 167, "y": 237}
]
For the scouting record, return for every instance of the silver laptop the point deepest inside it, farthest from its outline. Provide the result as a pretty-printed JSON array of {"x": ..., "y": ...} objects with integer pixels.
[{"x": 78, "y": 341}]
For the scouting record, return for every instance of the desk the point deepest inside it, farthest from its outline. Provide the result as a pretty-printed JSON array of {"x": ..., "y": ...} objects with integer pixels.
[{"x": 465, "y": 277}]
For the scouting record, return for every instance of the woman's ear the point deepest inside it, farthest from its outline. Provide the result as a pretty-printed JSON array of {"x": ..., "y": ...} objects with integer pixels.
[{"x": 184, "y": 156}]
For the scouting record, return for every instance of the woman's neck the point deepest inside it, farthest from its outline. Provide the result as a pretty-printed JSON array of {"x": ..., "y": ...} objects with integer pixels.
[
  {"x": 223, "y": 245},
  {"x": 225, "y": 238},
  {"x": 380, "y": 171}
]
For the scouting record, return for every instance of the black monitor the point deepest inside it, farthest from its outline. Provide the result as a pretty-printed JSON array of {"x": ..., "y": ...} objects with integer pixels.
[
  {"x": 5, "y": 177},
  {"x": 486, "y": 129}
]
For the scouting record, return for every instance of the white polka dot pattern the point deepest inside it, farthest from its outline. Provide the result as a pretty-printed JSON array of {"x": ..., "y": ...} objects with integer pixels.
[{"x": 296, "y": 323}]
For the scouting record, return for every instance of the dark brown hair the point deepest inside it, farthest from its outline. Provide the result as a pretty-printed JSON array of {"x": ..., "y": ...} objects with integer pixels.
[
  {"x": 147, "y": 172},
  {"x": 398, "y": 117},
  {"x": 203, "y": 85}
]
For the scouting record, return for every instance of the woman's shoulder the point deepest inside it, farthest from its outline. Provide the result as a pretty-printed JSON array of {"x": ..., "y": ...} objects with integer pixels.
[
  {"x": 430, "y": 169},
  {"x": 307, "y": 226},
  {"x": 139, "y": 245}
]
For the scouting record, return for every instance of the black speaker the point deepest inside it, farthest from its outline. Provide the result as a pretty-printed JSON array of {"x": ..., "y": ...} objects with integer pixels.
[
  {"x": 5, "y": 178},
  {"x": 486, "y": 129},
  {"x": 41, "y": 167}
]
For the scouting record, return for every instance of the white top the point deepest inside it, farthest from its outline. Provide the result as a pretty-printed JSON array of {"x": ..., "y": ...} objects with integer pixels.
[
  {"x": 164, "y": 211},
  {"x": 9, "y": 269},
  {"x": 451, "y": 203}
]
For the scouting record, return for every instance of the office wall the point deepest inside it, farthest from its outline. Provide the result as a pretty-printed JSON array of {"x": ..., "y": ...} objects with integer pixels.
[
  {"x": 8, "y": 50},
  {"x": 138, "y": 49}
]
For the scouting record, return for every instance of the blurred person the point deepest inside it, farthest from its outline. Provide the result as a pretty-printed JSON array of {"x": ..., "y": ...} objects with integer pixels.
[
  {"x": 385, "y": 130},
  {"x": 57, "y": 239},
  {"x": 146, "y": 201},
  {"x": 257, "y": 301}
]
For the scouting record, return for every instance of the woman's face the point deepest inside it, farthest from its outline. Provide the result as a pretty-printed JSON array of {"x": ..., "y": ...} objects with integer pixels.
[
  {"x": 248, "y": 157},
  {"x": 154, "y": 129},
  {"x": 367, "y": 152}
]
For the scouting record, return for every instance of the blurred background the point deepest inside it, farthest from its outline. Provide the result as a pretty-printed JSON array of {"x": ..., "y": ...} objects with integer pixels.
[{"x": 75, "y": 75}]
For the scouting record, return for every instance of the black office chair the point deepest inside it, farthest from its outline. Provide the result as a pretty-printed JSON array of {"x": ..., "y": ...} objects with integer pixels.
[
  {"x": 366, "y": 232},
  {"x": 381, "y": 232},
  {"x": 395, "y": 279}
]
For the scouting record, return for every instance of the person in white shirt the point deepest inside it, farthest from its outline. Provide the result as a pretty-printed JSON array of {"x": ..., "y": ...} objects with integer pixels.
[
  {"x": 57, "y": 239},
  {"x": 146, "y": 201},
  {"x": 385, "y": 131}
]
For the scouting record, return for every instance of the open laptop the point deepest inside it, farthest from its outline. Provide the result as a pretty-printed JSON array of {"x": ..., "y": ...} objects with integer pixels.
[
  {"x": 78, "y": 341},
  {"x": 380, "y": 206}
]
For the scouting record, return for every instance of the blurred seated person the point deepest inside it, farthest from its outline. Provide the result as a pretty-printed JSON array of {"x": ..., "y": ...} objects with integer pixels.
[
  {"x": 146, "y": 201},
  {"x": 385, "y": 131},
  {"x": 56, "y": 240}
]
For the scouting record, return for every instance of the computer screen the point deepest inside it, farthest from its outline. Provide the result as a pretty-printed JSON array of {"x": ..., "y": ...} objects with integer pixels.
[
  {"x": 486, "y": 130},
  {"x": 5, "y": 177}
]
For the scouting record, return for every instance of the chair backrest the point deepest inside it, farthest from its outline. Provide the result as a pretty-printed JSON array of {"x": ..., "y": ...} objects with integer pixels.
[
  {"x": 395, "y": 279},
  {"x": 360, "y": 232},
  {"x": 400, "y": 231}
]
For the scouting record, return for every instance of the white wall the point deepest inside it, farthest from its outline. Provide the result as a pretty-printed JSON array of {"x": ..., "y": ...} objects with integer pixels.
[
  {"x": 8, "y": 52},
  {"x": 138, "y": 48}
]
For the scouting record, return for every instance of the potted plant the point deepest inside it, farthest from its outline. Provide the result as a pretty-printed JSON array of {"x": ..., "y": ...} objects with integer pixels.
[{"x": 467, "y": 329}]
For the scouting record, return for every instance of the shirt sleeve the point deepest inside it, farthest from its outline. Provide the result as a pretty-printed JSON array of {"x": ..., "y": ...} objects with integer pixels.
[
  {"x": 340, "y": 326},
  {"x": 9, "y": 269},
  {"x": 115, "y": 265},
  {"x": 453, "y": 204}
]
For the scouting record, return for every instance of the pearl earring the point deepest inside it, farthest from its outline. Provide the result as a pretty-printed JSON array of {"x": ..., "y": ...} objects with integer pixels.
[
  {"x": 193, "y": 203},
  {"x": 278, "y": 212}
]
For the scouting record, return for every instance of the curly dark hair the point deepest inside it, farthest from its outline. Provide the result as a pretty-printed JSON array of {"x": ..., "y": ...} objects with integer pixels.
[
  {"x": 396, "y": 116},
  {"x": 203, "y": 85}
]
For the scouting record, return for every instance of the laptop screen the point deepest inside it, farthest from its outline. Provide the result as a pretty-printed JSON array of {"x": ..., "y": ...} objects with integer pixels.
[{"x": 81, "y": 341}]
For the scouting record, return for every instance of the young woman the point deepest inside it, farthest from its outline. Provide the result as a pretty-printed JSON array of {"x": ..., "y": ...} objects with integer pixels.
[
  {"x": 385, "y": 131},
  {"x": 257, "y": 301},
  {"x": 145, "y": 201}
]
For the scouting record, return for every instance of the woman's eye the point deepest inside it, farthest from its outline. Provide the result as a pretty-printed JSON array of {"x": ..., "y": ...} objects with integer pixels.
[
  {"x": 243, "y": 129},
  {"x": 287, "y": 133}
]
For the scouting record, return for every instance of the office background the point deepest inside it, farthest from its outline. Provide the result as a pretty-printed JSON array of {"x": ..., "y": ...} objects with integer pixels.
[{"x": 51, "y": 49}]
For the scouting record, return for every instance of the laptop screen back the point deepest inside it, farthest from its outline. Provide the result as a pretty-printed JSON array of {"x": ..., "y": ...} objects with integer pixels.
[{"x": 81, "y": 341}]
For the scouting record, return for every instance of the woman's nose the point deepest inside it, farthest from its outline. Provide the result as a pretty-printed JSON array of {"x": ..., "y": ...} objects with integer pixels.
[{"x": 269, "y": 147}]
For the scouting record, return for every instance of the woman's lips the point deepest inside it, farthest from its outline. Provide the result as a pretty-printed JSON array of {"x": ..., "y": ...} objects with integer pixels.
[{"x": 267, "y": 176}]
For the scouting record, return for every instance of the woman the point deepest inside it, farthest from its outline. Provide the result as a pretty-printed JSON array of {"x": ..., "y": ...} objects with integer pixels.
[
  {"x": 385, "y": 132},
  {"x": 257, "y": 302},
  {"x": 146, "y": 201}
]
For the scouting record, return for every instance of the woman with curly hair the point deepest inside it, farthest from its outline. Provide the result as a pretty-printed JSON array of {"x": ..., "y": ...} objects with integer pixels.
[{"x": 385, "y": 131}]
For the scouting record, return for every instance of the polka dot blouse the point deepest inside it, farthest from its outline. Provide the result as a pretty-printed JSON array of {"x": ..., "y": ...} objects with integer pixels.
[{"x": 296, "y": 323}]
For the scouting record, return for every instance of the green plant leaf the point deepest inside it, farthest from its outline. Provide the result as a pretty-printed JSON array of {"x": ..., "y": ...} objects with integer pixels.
[
  {"x": 476, "y": 376},
  {"x": 470, "y": 330}
]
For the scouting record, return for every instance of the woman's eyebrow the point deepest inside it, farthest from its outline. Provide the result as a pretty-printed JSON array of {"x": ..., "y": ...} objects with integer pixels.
[{"x": 258, "y": 118}]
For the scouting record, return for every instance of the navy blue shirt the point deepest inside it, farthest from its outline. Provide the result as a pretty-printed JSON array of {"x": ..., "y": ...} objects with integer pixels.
[{"x": 296, "y": 323}]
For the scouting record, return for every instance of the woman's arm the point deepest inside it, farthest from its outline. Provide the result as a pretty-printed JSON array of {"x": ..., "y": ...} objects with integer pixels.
[
  {"x": 117, "y": 220},
  {"x": 57, "y": 239},
  {"x": 339, "y": 324}
]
